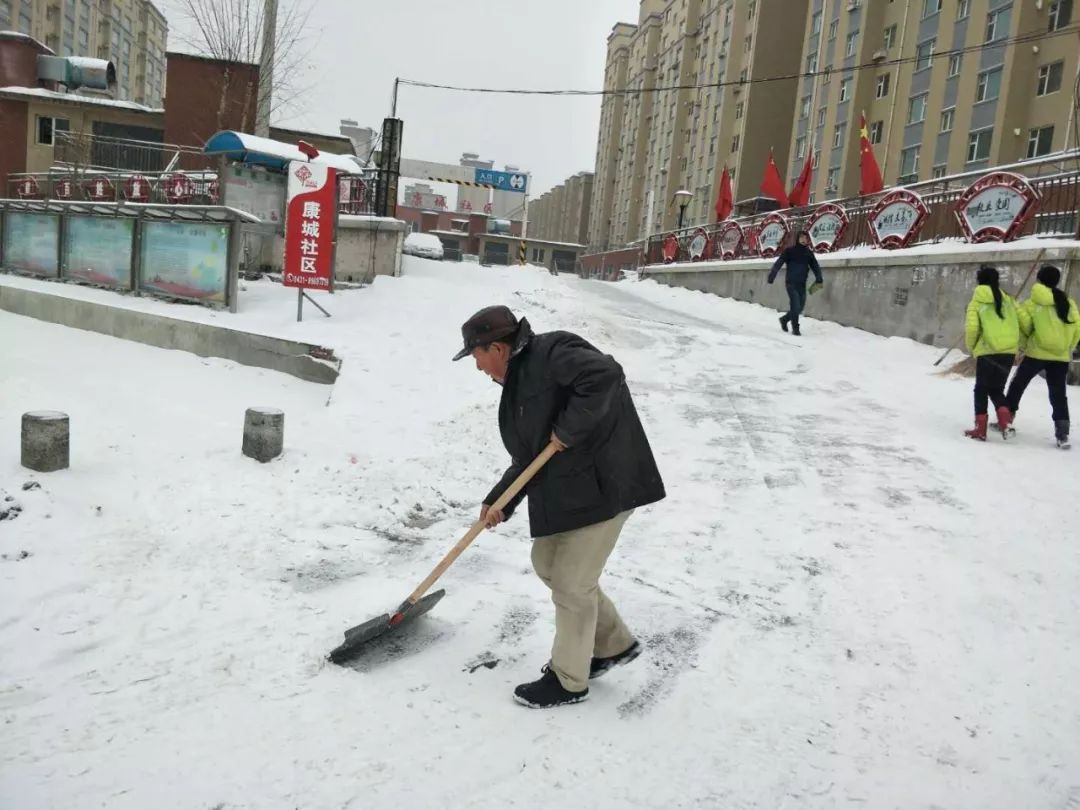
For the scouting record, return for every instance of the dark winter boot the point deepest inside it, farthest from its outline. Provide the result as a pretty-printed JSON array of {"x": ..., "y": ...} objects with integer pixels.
[
  {"x": 547, "y": 693},
  {"x": 1004, "y": 422},
  {"x": 1061, "y": 433},
  {"x": 979, "y": 431},
  {"x": 795, "y": 327},
  {"x": 601, "y": 665},
  {"x": 784, "y": 322}
]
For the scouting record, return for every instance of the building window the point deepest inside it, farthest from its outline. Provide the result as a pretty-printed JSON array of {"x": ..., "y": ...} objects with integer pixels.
[
  {"x": 837, "y": 135},
  {"x": 832, "y": 179},
  {"x": 738, "y": 111},
  {"x": 882, "y": 86},
  {"x": 538, "y": 254},
  {"x": 748, "y": 43},
  {"x": 1060, "y": 13},
  {"x": 47, "y": 127},
  {"x": 832, "y": 29},
  {"x": 815, "y": 23},
  {"x": 804, "y": 111},
  {"x": 924, "y": 54},
  {"x": 845, "y": 90},
  {"x": 909, "y": 162},
  {"x": 930, "y": 7},
  {"x": 955, "y": 61},
  {"x": 1049, "y": 79},
  {"x": 826, "y": 76},
  {"x": 979, "y": 145},
  {"x": 753, "y": 9},
  {"x": 877, "y": 130},
  {"x": 800, "y": 148},
  {"x": 735, "y": 144},
  {"x": 742, "y": 77},
  {"x": 817, "y": 158},
  {"x": 938, "y": 171},
  {"x": 947, "y": 117},
  {"x": 811, "y": 63},
  {"x": 821, "y": 117},
  {"x": 1040, "y": 142},
  {"x": 997, "y": 24},
  {"x": 989, "y": 86},
  {"x": 917, "y": 109},
  {"x": 852, "y": 42},
  {"x": 963, "y": 9},
  {"x": 889, "y": 37}
]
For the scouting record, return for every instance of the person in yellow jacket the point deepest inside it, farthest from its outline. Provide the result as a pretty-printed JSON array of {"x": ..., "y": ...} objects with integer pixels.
[
  {"x": 992, "y": 335},
  {"x": 1050, "y": 325}
]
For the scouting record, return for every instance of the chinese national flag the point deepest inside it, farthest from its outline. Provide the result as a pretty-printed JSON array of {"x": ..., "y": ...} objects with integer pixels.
[
  {"x": 800, "y": 192},
  {"x": 773, "y": 184},
  {"x": 868, "y": 165},
  {"x": 724, "y": 202}
]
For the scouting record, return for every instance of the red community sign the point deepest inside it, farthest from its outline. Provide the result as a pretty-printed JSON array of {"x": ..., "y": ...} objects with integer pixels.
[
  {"x": 996, "y": 207},
  {"x": 310, "y": 219}
]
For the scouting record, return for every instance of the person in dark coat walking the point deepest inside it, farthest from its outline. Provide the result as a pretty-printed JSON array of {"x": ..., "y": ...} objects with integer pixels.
[
  {"x": 558, "y": 387},
  {"x": 800, "y": 260}
]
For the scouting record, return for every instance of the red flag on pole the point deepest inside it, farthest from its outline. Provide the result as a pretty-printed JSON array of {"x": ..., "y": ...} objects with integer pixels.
[
  {"x": 773, "y": 184},
  {"x": 800, "y": 192},
  {"x": 724, "y": 202},
  {"x": 868, "y": 166}
]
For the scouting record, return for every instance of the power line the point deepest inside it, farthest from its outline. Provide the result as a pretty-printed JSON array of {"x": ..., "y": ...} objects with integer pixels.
[{"x": 1021, "y": 39}]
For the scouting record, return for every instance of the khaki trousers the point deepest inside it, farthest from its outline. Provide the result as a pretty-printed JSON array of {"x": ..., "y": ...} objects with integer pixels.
[{"x": 586, "y": 622}]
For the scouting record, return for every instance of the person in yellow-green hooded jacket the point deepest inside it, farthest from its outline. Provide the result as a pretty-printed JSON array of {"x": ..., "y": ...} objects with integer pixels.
[
  {"x": 1050, "y": 328},
  {"x": 992, "y": 335}
]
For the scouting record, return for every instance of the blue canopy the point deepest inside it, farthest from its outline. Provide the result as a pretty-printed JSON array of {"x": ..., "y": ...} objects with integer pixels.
[{"x": 251, "y": 149}]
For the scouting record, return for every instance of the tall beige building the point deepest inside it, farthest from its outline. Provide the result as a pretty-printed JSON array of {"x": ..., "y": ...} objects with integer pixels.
[
  {"x": 562, "y": 214},
  {"x": 654, "y": 142},
  {"x": 942, "y": 111},
  {"x": 129, "y": 33}
]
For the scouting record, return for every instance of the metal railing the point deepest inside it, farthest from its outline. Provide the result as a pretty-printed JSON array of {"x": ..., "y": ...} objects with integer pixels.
[
  {"x": 86, "y": 152},
  {"x": 90, "y": 185},
  {"x": 1057, "y": 215}
]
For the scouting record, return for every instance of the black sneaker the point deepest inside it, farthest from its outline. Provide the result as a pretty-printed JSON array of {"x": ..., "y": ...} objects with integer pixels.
[
  {"x": 601, "y": 665},
  {"x": 784, "y": 322},
  {"x": 547, "y": 693},
  {"x": 598, "y": 666}
]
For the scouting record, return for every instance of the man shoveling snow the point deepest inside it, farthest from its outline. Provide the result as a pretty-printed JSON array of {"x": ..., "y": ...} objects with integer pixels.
[{"x": 559, "y": 388}]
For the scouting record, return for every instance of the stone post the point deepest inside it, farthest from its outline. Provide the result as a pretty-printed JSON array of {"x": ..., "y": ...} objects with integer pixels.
[
  {"x": 45, "y": 441},
  {"x": 264, "y": 433}
]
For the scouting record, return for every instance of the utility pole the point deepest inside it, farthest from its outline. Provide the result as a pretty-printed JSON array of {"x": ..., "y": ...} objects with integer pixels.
[{"x": 266, "y": 68}]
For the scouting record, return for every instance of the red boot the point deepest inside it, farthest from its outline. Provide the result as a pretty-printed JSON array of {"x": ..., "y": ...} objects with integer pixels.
[
  {"x": 1004, "y": 422},
  {"x": 979, "y": 431}
]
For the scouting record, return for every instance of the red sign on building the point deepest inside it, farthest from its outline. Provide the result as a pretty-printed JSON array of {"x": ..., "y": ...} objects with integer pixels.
[
  {"x": 670, "y": 248},
  {"x": 27, "y": 187},
  {"x": 699, "y": 248},
  {"x": 771, "y": 234},
  {"x": 137, "y": 188},
  {"x": 178, "y": 188},
  {"x": 99, "y": 188},
  {"x": 826, "y": 226},
  {"x": 310, "y": 219},
  {"x": 897, "y": 218},
  {"x": 64, "y": 189},
  {"x": 995, "y": 207},
  {"x": 728, "y": 240}
]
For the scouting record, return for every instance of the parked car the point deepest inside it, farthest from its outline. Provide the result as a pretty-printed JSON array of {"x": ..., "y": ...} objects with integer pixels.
[{"x": 424, "y": 245}]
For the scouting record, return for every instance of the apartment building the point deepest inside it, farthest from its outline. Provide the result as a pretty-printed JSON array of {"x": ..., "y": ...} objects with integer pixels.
[
  {"x": 563, "y": 213},
  {"x": 944, "y": 87},
  {"x": 129, "y": 33},
  {"x": 654, "y": 142}
]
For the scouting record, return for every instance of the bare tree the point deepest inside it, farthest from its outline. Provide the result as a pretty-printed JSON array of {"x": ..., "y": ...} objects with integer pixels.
[{"x": 232, "y": 31}]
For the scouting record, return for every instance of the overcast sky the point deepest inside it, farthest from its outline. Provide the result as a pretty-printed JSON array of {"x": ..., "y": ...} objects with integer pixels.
[{"x": 359, "y": 46}]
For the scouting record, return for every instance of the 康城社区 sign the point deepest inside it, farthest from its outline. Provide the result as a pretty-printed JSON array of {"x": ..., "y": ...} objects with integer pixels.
[{"x": 310, "y": 218}]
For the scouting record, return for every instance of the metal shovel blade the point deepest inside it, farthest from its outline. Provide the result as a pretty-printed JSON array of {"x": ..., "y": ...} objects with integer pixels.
[{"x": 356, "y": 637}]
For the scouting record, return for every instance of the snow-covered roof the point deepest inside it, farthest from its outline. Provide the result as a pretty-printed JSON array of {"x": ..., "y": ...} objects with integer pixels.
[
  {"x": 245, "y": 148},
  {"x": 88, "y": 62},
  {"x": 26, "y": 38},
  {"x": 77, "y": 98}
]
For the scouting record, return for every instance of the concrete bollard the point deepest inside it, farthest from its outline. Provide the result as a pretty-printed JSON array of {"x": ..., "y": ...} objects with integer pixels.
[
  {"x": 264, "y": 433},
  {"x": 46, "y": 443}
]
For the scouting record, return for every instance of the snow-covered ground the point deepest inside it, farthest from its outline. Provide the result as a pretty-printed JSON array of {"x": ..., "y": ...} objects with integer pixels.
[{"x": 845, "y": 602}]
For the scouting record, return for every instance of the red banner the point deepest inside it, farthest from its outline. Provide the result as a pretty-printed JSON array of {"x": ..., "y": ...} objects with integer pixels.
[{"x": 310, "y": 218}]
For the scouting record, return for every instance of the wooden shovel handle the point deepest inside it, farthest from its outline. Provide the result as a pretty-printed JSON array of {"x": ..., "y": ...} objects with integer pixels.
[{"x": 472, "y": 533}]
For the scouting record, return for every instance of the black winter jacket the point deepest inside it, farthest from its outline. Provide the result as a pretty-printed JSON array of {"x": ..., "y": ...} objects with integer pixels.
[
  {"x": 800, "y": 260},
  {"x": 559, "y": 381}
]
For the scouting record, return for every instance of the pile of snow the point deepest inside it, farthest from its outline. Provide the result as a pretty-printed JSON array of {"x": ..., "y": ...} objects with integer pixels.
[
  {"x": 844, "y": 601},
  {"x": 424, "y": 245}
]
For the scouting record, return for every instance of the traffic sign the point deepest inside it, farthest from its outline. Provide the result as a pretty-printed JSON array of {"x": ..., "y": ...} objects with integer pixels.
[{"x": 503, "y": 181}]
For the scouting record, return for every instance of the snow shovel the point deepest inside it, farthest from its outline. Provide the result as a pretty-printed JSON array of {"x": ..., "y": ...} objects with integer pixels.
[{"x": 417, "y": 604}]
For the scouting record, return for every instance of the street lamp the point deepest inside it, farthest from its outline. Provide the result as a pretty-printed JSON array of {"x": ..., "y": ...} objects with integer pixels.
[{"x": 683, "y": 197}]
